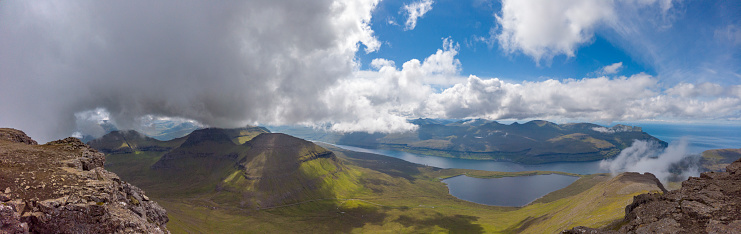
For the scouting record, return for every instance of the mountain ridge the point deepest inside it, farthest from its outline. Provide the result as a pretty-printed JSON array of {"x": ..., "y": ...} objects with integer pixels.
[{"x": 533, "y": 142}]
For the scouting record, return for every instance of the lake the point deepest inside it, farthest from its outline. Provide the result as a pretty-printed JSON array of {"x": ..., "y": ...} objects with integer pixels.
[
  {"x": 506, "y": 191},
  {"x": 485, "y": 165}
]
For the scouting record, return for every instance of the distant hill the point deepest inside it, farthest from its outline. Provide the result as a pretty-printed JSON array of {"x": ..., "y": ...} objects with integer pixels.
[
  {"x": 532, "y": 142},
  {"x": 718, "y": 159}
]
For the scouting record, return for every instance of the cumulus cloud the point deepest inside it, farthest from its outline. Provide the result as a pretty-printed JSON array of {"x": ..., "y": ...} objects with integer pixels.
[
  {"x": 647, "y": 156},
  {"x": 599, "y": 99},
  {"x": 703, "y": 89},
  {"x": 383, "y": 100},
  {"x": 543, "y": 29},
  {"x": 415, "y": 11},
  {"x": 611, "y": 69},
  {"x": 221, "y": 63}
]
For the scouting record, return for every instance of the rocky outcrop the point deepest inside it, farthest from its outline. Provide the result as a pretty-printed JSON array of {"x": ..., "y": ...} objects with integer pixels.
[
  {"x": 14, "y": 135},
  {"x": 708, "y": 204},
  {"x": 61, "y": 187}
]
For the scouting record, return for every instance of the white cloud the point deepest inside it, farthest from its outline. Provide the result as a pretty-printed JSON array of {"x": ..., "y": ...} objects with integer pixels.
[
  {"x": 224, "y": 64},
  {"x": 415, "y": 11},
  {"x": 543, "y": 29},
  {"x": 383, "y": 100},
  {"x": 644, "y": 156},
  {"x": 598, "y": 99},
  {"x": 703, "y": 89},
  {"x": 611, "y": 69}
]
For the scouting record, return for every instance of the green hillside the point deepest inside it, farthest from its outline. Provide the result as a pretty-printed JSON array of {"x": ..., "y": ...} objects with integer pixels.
[
  {"x": 280, "y": 184},
  {"x": 718, "y": 159}
]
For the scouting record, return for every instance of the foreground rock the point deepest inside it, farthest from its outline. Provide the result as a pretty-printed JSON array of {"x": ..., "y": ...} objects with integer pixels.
[
  {"x": 708, "y": 204},
  {"x": 61, "y": 187}
]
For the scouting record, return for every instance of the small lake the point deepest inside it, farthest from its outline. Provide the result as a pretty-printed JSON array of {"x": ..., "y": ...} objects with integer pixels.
[
  {"x": 506, "y": 191},
  {"x": 484, "y": 165}
]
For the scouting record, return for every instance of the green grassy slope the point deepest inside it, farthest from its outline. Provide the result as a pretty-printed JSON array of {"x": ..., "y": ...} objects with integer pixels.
[
  {"x": 279, "y": 184},
  {"x": 718, "y": 159}
]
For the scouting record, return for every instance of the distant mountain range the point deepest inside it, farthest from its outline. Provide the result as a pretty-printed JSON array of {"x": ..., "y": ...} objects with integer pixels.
[{"x": 532, "y": 142}]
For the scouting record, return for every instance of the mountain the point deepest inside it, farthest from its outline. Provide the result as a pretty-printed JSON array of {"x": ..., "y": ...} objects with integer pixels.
[
  {"x": 532, "y": 142},
  {"x": 61, "y": 187},
  {"x": 718, "y": 159},
  {"x": 279, "y": 169},
  {"x": 105, "y": 125},
  {"x": 266, "y": 169},
  {"x": 272, "y": 182},
  {"x": 710, "y": 203},
  {"x": 128, "y": 142}
]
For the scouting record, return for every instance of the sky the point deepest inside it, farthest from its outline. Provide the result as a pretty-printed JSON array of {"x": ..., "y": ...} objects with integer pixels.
[{"x": 365, "y": 65}]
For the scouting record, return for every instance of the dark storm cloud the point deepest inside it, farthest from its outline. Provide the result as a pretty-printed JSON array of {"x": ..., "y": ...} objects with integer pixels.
[{"x": 221, "y": 63}]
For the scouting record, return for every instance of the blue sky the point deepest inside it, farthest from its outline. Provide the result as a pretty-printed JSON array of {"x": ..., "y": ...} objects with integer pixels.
[
  {"x": 363, "y": 65},
  {"x": 685, "y": 37}
]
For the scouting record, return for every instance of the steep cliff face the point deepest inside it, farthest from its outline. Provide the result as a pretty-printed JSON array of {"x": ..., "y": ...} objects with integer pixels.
[
  {"x": 62, "y": 187},
  {"x": 708, "y": 204}
]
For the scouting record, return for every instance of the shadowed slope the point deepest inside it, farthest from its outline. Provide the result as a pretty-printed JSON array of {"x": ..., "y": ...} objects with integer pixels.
[{"x": 279, "y": 169}]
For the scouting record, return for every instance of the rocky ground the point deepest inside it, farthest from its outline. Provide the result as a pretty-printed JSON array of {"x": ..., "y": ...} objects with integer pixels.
[
  {"x": 708, "y": 204},
  {"x": 61, "y": 187}
]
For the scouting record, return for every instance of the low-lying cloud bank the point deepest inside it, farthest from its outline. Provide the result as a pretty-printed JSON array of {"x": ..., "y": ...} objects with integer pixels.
[{"x": 670, "y": 163}]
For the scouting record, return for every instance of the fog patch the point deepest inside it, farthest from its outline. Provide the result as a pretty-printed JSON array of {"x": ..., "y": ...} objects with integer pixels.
[
  {"x": 94, "y": 123},
  {"x": 672, "y": 163}
]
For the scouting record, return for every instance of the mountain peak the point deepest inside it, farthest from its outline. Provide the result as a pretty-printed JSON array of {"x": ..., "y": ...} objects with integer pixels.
[{"x": 199, "y": 136}]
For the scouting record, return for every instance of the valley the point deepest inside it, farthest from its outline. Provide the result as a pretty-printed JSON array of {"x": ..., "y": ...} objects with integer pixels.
[{"x": 212, "y": 183}]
